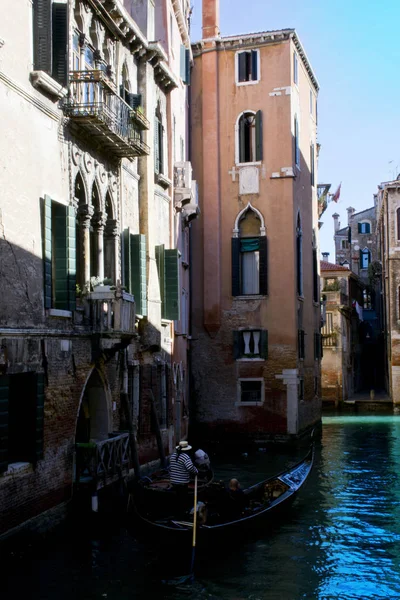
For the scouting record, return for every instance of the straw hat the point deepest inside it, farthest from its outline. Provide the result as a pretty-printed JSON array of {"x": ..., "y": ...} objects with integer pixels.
[{"x": 184, "y": 446}]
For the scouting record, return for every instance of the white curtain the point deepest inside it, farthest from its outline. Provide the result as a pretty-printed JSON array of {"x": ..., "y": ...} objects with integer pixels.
[{"x": 250, "y": 273}]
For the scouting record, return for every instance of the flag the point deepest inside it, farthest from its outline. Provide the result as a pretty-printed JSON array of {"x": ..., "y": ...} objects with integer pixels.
[{"x": 336, "y": 195}]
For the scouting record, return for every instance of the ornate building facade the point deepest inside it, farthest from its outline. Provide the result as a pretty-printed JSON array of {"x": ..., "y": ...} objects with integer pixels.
[{"x": 95, "y": 216}]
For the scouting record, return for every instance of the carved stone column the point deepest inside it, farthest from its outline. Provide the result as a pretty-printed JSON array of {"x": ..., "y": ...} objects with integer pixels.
[
  {"x": 111, "y": 250},
  {"x": 85, "y": 213},
  {"x": 98, "y": 226}
]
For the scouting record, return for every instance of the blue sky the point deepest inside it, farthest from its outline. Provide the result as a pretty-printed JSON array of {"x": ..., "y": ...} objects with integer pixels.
[{"x": 354, "y": 50}]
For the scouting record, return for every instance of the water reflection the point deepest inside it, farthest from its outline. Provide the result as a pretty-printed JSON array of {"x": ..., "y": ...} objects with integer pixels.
[{"x": 341, "y": 539}]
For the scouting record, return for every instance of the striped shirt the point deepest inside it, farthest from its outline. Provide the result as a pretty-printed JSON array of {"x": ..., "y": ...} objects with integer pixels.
[{"x": 180, "y": 468}]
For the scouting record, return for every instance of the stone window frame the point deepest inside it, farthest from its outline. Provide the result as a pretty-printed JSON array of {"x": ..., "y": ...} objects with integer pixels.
[
  {"x": 252, "y": 81},
  {"x": 239, "y": 401}
]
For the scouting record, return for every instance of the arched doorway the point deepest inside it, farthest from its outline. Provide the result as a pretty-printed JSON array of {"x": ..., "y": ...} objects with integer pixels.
[{"x": 94, "y": 414}]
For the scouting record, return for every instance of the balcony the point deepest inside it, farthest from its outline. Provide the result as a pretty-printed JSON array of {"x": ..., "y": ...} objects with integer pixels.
[
  {"x": 182, "y": 184},
  {"x": 110, "y": 311},
  {"x": 100, "y": 463},
  {"x": 94, "y": 106}
]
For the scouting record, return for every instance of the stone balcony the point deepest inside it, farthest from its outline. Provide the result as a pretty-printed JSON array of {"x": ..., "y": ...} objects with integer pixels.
[{"x": 108, "y": 311}]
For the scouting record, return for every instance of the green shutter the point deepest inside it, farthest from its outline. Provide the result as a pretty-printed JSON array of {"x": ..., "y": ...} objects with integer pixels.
[
  {"x": 237, "y": 336},
  {"x": 264, "y": 344},
  {"x": 161, "y": 147},
  {"x": 263, "y": 250},
  {"x": 259, "y": 136},
  {"x": 160, "y": 259},
  {"x": 138, "y": 272},
  {"x": 236, "y": 288},
  {"x": 4, "y": 388},
  {"x": 315, "y": 275},
  {"x": 47, "y": 253},
  {"x": 39, "y": 418},
  {"x": 254, "y": 65},
  {"x": 187, "y": 65},
  {"x": 127, "y": 260},
  {"x": 71, "y": 257},
  {"x": 183, "y": 63},
  {"x": 172, "y": 287},
  {"x": 156, "y": 146},
  {"x": 359, "y": 227},
  {"x": 242, "y": 62},
  {"x": 60, "y": 43},
  {"x": 242, "y": 139},
  {"x": 42, "y": 23},
  {"x": 60, "y": 258}
]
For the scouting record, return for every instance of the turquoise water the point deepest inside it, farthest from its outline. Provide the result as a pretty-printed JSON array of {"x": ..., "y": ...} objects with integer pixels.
[{"x": 341, "y": 539}]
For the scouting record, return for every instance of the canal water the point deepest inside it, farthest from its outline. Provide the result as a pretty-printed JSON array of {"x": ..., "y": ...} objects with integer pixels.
[{"x": 340, "y": 540}]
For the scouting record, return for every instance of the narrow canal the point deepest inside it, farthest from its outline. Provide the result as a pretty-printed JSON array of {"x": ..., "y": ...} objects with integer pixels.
[{"x": 341, "y": 538}]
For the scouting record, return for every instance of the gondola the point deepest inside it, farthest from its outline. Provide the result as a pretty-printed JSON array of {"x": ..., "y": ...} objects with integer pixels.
[
  {"x": 156, "y": 493},
  {"x": 264, "y": 500}
]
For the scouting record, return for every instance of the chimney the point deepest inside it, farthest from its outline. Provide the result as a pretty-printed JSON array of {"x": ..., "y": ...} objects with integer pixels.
[
  {"x": 210, "y": 18},
  {"x": 350, "y": 213},
  {"x": 336, "y": 222},
  {"x": 325, "y": 256}
]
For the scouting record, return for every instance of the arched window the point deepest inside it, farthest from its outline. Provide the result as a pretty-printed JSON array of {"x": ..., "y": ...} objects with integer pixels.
[
  {"x": 96, "y": 230},
  {"x": 80, "y": 197},
  {"x": 365, "y": 258},
  {"x": 299, "y": 257},
  {"x": 249, "y": 255},
  {"x": 250, "y": 139},
  {"x": 110, "y": 241}
]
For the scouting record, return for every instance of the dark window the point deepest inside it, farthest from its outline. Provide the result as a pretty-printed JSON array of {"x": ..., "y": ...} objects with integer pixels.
[
  {"x": 249, "y": 266},
  {"x": 364, "y": 228},
  {"x": 301, "y": 389},
  {"x": 250, "y": 391},
  {"x": 248, "y": 66},
  {"x": 296, "y": 142},
  {"x": 315, "y": 276},
  {"x": 299, "y": 258},
  {"x": 317, "y": 346},
  {"x": 252, "y": 343},
  {"x": 250, "y": 137},
  {"x": 301, "y": 343},
  {"x": 50, "y": 38},
  {"x": 21, "y": 423},
  {"x": 158, "y": 146},
  {"x": 312, "y": 164}
]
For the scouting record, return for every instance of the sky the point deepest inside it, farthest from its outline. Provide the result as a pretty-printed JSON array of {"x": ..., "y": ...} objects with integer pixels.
[{"x": 354, "y": 51}]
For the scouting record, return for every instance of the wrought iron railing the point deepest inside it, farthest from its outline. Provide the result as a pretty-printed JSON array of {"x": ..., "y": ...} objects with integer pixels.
[
  {"x": 92, "y": 95},
  {"x": 101, "y": 462}
]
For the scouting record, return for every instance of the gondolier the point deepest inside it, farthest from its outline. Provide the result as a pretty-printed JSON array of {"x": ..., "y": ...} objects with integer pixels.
[{"x": 181, "y": 468}]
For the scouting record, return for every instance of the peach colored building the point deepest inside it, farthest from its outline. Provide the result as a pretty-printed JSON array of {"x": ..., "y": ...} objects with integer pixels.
[{"x": 256, "y": 301}]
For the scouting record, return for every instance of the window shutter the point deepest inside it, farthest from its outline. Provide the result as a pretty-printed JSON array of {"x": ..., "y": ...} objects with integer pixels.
[
  {"x": 361, "y": 257},
  {"x": 156, "y": 146},
  {"x": 71, "y": 257},
  {"x": 134, "y": 100},
  {"x": 359, "y": 228},
  {"x": 127, "y": 260},
  {"x": 315, "y": 276},
  {"x": 237, "y": 344},
  {"x": 183, "y": 63},
  {"x": 172, "y": 288},
  {"x": 259, "y": 136},
  {"x": 263, "y": 249},
  {"x": 235, "y": 266},
  {"x": 264, "y": 344},
  {"x": 138, "y": 272},
  {"x": 242, "y": 139},
  {"x": 60, "y": 43},
  {"x": 254, "y": 65},
  {"x": 242, "y": 63},
  {"x": 47, "y": 252},
  {"x": 42, "y": 22},
  {"x": 187, "y": 65},
  {"x": 39, "y": 418},
  {"x": 4, "y": 388},
  {"x": 161, "y": 146},
  {"x": 60, "y": 259},
  {"x": 160, "y": 259}
]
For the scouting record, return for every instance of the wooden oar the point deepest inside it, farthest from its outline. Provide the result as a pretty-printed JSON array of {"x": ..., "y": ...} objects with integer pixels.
[{"x": 194, "y": 528}]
